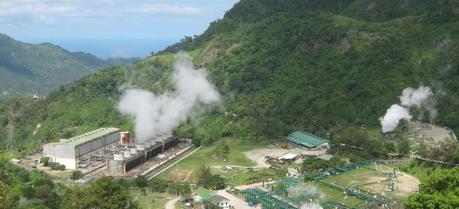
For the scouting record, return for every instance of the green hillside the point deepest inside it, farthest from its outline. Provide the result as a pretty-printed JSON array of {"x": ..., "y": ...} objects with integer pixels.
[
  {"x": 28, "y": 69},
  {"x": 281, "y": 66}
]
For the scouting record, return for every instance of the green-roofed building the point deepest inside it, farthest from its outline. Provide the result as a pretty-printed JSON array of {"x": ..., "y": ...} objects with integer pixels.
[
  {"x": 203, "y": 194},
  {"x": 68, "y": 151},
  {"x": 307, "y": 140}
]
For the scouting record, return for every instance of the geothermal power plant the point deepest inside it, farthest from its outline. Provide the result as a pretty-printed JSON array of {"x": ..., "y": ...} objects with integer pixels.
[{"x": 113, "y": 152}]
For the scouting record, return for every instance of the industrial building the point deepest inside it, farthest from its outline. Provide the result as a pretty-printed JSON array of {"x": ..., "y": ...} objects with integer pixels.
[
  {"x": 204, "y": 195},
  {"x": 109, "y": 151},
  {"x": 129, "y": 157},
  {"x": 75, "y": 151},
  {"x": 307, "y": 140}
]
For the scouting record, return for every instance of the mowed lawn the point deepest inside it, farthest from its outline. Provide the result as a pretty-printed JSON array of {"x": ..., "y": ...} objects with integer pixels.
[
  {"x": 237, "y": 177},
  {"x": 213, "y": 156},
  {"x": 151, "y": 200},
  {"x": 337, "y": 196},
  {"x": 356, "y": 177}
]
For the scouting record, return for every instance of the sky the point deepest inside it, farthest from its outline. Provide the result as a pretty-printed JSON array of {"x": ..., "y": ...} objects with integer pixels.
[{"x": 109, "y": 28}]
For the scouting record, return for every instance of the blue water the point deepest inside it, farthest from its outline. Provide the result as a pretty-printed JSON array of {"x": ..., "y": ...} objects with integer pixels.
[{"x": 112, "y": 48}]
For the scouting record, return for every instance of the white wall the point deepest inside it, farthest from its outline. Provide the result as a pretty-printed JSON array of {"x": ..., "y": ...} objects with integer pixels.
[{"x": 69, "y": 163}]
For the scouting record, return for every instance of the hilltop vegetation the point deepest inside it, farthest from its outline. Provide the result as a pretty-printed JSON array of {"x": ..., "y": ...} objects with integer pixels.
[
  {"x": 28, "y": 69},
  {"x": 313, "y": 66}
]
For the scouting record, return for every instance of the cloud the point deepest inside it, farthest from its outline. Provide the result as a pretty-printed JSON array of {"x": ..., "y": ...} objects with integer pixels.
[
  {"x": 165, "y": 8},
  {"x": 49, "y": 11}
]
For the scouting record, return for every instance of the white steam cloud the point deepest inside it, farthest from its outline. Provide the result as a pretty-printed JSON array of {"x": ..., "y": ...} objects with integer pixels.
[
  {"x": 415, "y": 97},
  {"x": 311, "y": 205},
  {"x": 307, "y": 191},
  {"x": 393, "y": 116},
  {"x": 410, "y": 97},
  {"x": 160, "y": 114}
]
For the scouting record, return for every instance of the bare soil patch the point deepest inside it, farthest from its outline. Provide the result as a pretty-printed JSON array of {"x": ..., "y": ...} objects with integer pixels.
[
  {"x": 259, "y": 155},
  {"x": 179, "y": 175},
  {"x": 406, "y": 184}
]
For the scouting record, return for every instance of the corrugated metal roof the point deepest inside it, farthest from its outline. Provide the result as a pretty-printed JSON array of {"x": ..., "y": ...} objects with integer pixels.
[
  {"x": 218, "y": 199},
  {"x": 204, "y": 193},
  {"x": 305, "y": 139},
  {"x": 89, "y": 136}
]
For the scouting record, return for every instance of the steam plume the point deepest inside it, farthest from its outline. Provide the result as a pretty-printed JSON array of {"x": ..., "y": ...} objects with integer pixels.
[
  {"x": 311, "y": 205},
  {"x": 415, "y": 97},
  {"x": 160, "y": 114},
  {"x": 410, "y": 97},
  {"x": 393, "y": 116}
]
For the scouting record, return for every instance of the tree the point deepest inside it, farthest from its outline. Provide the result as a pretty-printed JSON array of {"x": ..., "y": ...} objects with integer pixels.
[
  {"x": 226, "y": 148},
  {"x": 75, "y": 198},
  {"x": 439, "y": 190},
  {"x": 76, "y": 174},
  {"x": 158, "y": 185},
  {"x": 107, "y": 193},
  {"x": 204, "y": 173},
  {"x": 207, "y": 180},
  {"x": 47, "y": 195},
  {"x": 215, "y": 182},
  {"x": 141, "y": 181},
  {"x": 404, "y": 147}
]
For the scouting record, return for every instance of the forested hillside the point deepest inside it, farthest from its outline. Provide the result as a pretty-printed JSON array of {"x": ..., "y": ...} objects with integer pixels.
[
  {"x": 28, "y": 69},
  {"x": 281, "y": 66}
]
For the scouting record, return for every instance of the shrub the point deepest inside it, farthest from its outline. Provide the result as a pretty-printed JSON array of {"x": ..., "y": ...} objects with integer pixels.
[
  {"x": 44, "y": 161},
  {"x": 56, "y": 166}
]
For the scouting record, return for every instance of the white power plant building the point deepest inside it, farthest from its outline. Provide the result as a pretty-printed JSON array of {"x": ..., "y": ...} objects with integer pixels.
[{"x": 69, "y": 152}]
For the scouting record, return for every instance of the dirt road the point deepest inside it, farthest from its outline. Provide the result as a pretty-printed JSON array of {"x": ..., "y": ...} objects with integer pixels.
[{"x": 171, "y": 203}]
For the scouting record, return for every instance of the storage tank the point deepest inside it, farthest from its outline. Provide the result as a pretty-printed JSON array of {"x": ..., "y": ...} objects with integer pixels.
[{"x": 118, "y": 157}]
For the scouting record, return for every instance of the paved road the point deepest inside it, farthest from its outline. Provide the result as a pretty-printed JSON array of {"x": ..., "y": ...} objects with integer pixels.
[{"x": 171, "y": 203}]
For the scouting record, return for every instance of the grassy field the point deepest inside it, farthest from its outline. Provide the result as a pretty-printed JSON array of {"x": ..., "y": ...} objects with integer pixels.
[
  {"x": 367, "y": 179},
  {"x": 356, "y": 177},
  {"x": 238, "y": 177},
  {"x": 337, "y": 196},
  {"x": 151, "y": 200},
  {"x": 213, "y": 156}
]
